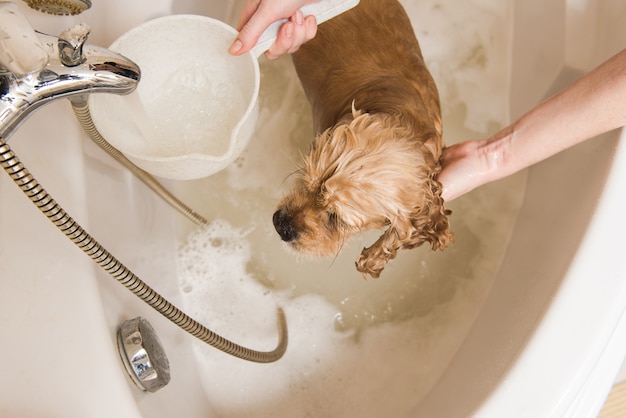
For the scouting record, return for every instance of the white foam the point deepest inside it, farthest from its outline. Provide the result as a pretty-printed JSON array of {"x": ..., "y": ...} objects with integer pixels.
[{"x": 325, "y": 372}]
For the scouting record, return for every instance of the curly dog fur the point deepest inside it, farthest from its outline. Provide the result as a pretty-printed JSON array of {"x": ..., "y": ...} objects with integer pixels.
[{"x": 375, "y": 167}]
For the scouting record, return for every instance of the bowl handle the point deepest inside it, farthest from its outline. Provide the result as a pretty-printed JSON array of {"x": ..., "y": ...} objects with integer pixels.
[{"x": 322, "y": 10}]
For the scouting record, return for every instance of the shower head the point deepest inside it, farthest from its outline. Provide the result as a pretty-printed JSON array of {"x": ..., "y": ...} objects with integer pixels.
[{"x": 60, "y": 7}]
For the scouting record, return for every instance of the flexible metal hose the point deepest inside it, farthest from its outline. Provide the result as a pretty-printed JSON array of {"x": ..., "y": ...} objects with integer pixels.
[
  {"x": 49, "y": 207},
  {"x": 81, "y": 110}
]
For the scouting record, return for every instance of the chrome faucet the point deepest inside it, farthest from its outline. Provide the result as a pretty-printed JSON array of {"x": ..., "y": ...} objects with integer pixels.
[{"x": 36, "y": 68}]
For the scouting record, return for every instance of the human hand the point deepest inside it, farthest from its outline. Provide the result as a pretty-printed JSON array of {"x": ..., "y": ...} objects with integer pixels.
[
  {"x": 460, "y": 169},
  {"x": 257, "y": 15},
  {"x": 468, "y": 165},
  {"x": 591, "y": 106}
]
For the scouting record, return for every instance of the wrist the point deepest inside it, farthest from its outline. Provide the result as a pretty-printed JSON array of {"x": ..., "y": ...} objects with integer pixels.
[{"x": 496, "y": 155}]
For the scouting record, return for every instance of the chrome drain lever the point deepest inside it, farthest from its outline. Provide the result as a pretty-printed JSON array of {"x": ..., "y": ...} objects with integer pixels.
[{"x": 143, "y": 355}]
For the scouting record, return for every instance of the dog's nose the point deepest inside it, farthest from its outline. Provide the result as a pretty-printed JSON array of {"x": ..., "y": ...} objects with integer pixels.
[{"x": 284, "y": 226}]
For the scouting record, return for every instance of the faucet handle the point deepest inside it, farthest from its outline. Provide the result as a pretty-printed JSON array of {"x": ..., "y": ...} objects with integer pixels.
[{"x": 71, "y": 42}]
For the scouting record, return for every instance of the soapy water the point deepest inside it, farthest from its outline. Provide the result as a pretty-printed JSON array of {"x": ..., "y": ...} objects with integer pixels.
[
  {"x": 326, "y": 371},
  {"x": 470, "y": 61},
  {"x": 174, "y": 122},
  {"x": 183, "y": 124},
  {"x": 366, "y": 348}
]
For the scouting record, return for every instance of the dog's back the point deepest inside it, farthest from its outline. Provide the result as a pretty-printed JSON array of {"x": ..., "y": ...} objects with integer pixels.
[{"x": 368, "y": 55}]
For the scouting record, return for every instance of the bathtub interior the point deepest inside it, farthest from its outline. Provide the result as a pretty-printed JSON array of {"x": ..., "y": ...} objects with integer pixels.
[
  {"x": 554, "y": 253},
  {"x": 472, "y": 308}
]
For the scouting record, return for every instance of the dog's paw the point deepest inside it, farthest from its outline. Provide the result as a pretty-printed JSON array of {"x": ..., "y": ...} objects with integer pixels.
[{"x": 372, "y": 260}]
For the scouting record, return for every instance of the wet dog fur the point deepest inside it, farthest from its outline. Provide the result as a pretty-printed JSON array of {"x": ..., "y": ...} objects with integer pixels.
[{"x": 375, "y": 157}]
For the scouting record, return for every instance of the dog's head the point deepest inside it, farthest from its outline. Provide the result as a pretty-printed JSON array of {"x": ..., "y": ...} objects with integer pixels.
[{"x": 367, "y": 173}]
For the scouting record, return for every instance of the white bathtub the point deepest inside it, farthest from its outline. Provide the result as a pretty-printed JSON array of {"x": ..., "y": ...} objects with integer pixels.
[{"x": 546, "y": 340}]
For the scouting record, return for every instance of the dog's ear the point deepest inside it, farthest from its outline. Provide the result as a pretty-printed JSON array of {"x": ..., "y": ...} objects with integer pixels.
[{"x": 430, "y": 222}]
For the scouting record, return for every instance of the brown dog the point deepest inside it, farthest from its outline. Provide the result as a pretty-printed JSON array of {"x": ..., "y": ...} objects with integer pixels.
[{"x": 375, "y": 167}]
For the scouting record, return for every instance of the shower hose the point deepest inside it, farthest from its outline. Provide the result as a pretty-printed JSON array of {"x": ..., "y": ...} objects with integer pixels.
[{"x": 51, "y": 209}]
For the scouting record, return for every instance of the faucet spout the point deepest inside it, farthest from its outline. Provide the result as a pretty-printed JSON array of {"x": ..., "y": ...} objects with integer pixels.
[{"x": 72, "y": 70}]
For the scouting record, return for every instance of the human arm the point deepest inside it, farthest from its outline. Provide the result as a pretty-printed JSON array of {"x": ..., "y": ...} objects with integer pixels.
[
  {"x": 591, "y": 106},
  {"x": 257, "y": 15}
]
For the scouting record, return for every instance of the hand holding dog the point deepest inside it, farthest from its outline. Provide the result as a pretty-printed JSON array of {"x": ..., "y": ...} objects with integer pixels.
[
  {"x": 592, "y": 106},
  {"x": 257, "y": 15}
]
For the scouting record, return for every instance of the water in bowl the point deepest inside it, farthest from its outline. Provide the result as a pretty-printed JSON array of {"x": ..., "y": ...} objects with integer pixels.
[{"x": 175, "y": 122}]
